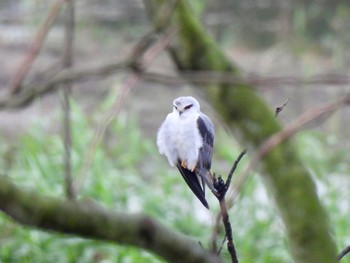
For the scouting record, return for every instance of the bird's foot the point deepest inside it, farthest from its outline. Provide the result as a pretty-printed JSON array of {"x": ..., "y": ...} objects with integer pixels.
[{"x": 184, "y": 164}]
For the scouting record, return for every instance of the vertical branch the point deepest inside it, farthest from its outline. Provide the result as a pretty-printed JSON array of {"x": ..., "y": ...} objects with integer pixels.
[
  {"x": 67, "y": 132},
  {"x": 226, "y": 221},
  {"x": 222, "y": 188}
]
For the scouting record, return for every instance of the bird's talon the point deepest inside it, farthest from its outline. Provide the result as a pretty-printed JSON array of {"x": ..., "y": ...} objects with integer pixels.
[{"x": 184, "y": 164}]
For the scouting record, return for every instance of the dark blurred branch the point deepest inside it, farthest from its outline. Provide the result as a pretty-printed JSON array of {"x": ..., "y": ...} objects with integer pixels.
[
  {"x": 68, "y": 55},
  {"x": 252, "y": 79},
  {"x": 221, "y": 188},
  {"x": 344, "y": 252},
  {"x": 280, "y": 108},
  {"x": 29, "y": 93},
  {"x": 35, "y": 47},
  {"x": 91, "y": 220}
]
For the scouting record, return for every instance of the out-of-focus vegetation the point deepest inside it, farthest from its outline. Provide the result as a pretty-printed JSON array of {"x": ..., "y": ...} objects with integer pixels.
[
  {"x": 265, "y": 23},
  {"x": 127, "y": 174}
]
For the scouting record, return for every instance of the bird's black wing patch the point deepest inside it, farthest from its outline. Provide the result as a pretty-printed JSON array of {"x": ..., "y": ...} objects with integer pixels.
[
  {"x": 192, "y": 181},
  {"x": 206, "y": 130}
]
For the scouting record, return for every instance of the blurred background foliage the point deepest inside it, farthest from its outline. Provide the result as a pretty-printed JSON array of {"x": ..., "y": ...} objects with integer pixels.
[
  {"x": 127, "y": 173},
  {"x": 122, "y": 178}
]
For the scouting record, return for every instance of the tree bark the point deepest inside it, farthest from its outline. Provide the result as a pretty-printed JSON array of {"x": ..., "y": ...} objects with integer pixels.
[
  {"x": 90, "y": 220},
  {"x": 252, "y": 121}
]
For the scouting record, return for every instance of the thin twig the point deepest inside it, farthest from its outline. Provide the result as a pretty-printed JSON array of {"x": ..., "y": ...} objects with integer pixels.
[
  {"x": 27, "y": 94},
  {"x": 221, "y": 188},
  {"x": 344, "y": 252},
  {"x": 234, "y": 167},
  {"x": 280, "y": 108},
  {"x": 67, "y": 131},
  {"x": 226, "y": 221},
  {"x": 35, "y": 47}
]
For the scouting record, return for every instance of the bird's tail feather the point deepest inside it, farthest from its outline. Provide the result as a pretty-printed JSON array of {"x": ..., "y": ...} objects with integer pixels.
[{"x": 192, "y": 181}]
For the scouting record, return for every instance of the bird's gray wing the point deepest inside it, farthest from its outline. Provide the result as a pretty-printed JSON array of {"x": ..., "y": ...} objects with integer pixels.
[{"x": 206, "y": 131}]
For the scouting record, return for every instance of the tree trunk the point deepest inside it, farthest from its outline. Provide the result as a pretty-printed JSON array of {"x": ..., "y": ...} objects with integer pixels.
[{"x": 252, "y": 121}]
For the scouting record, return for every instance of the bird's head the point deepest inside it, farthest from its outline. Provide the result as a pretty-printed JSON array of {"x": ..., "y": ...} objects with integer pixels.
[{"x": 186, "y": 105}]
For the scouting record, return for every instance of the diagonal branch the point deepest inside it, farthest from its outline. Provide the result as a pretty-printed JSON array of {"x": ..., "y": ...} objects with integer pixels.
[
  {"x": 344, "y": 252},
  {"x": 91, "y": 220},
  {"x": 310, "y": 116},
  {"x": 306, "y": 118},
  {"x": 27, "y": 95},
  {"x": 35, "y": 47},
  {"x": 22, "y": 97}
]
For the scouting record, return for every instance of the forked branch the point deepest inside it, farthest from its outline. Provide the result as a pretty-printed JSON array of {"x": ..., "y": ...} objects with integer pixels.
[{"x": 221, "y": 188}]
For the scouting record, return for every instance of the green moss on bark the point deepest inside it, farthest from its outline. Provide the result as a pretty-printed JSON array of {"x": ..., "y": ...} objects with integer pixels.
[{"x": 253, "y": 122}]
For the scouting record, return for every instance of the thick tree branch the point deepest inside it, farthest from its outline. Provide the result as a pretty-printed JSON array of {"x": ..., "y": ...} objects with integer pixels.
[
  {"x": 90, "y": 220},
  {"x": 252, "y": 121}
]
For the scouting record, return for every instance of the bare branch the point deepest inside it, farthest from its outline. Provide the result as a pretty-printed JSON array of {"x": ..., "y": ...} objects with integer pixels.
[
  {"x": 91, "y": 220},
  {"x": 310, "y": 116},
  {"x": 28, "y": 94},
  {"x": 201, "y": 77},
  {"x": 280, "y": 108},
  {"x": 221, "y": 187},
  {"x": 344, "y": 252},
  {"x": 253, "y": 79},
  {"x": 67, "y": 131},
  {"x": 35, "y": 47}
]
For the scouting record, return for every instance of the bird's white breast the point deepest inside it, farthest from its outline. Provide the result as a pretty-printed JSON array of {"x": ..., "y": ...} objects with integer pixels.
[{"x": 179, "y": 138}]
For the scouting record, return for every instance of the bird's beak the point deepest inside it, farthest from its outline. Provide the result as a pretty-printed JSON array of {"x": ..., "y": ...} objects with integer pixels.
[{"x": 180, "y": 112}]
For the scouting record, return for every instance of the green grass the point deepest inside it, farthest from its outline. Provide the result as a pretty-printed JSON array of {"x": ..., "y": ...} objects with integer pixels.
[{"x": 127, "y": 174}]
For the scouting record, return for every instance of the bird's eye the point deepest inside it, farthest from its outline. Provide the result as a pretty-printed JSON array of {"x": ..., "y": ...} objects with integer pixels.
[
  {"x": 188, "y": 107},
  {"x": 175, "y": 107}
]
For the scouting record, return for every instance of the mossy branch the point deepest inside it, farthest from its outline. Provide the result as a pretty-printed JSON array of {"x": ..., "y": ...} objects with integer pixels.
[
  {"x": 252, "y": 121},
  {"x": 91, "y": 220}
]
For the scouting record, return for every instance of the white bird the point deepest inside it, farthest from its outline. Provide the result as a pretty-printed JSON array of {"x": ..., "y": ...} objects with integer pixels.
[{"x": 186, "y": 138}]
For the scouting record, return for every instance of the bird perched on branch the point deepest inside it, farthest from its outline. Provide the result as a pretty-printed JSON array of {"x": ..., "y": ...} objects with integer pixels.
[{"x": 186, "y": 138}]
